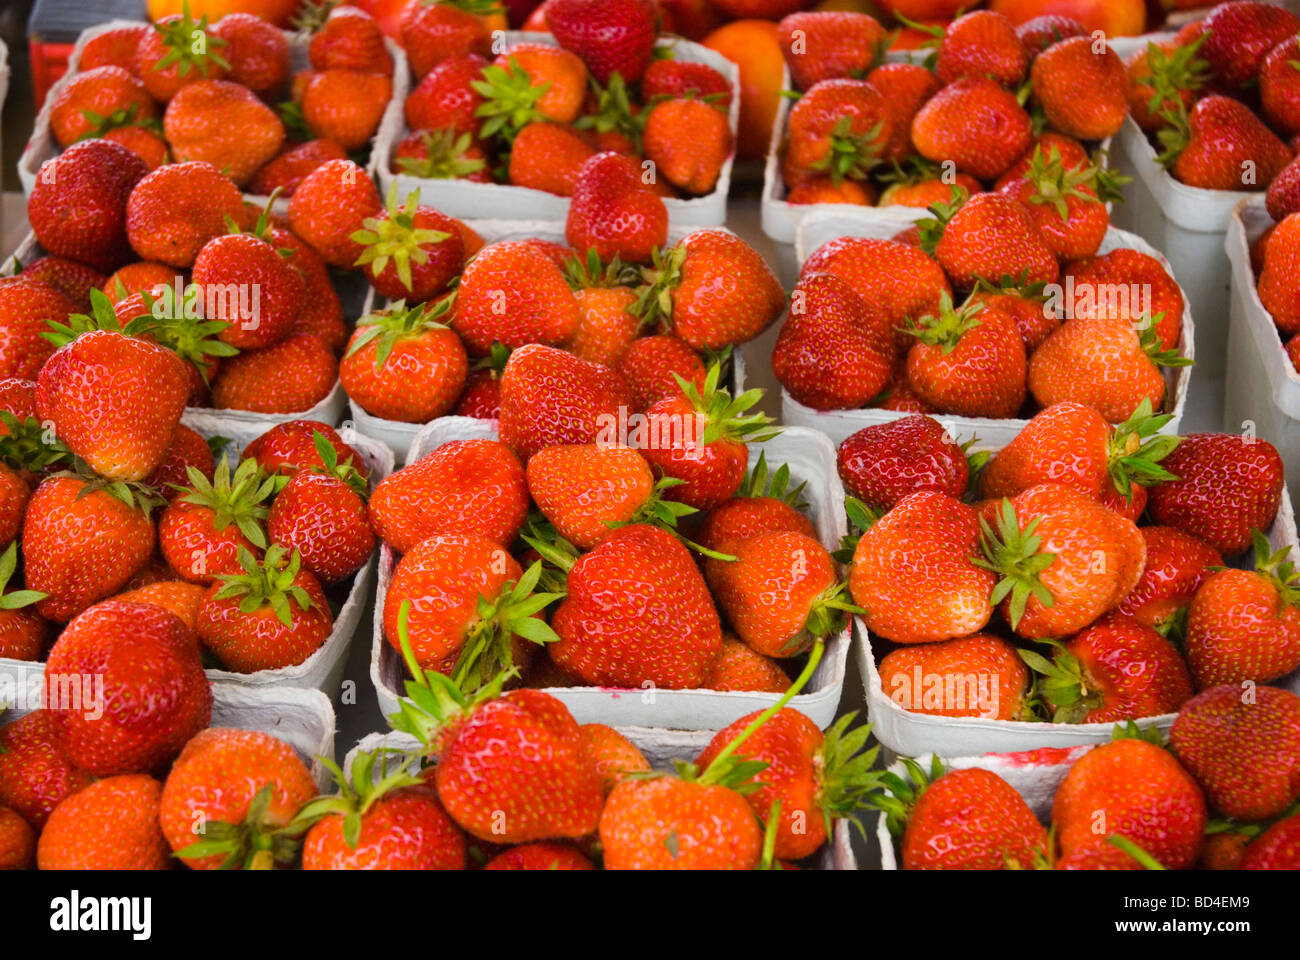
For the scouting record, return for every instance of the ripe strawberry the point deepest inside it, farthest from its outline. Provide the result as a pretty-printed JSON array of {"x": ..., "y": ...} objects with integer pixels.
[
  {"x": 611, "y": 36},
  {"x": 829, "y": 45},
  {"x": 245, "y": 784},
  {"x": 529, "y": 82},
  {"x": 93, "y": 101},
  {"x": 974, "y": 123},
  {"x": 637, "y": 640},
  {"x": 615, "y": 212},
  {"x": 1278, "y": 848},
  {"x": 882, "y": 464},
  {"x": 481, "y": 398},
  {"x": 607, "y": 319},
  {"x": 982, "y": 44},
  {"x": 154, "y": 694},
  {"x": 346, "y": 106},
  {"x": 185, "y": 449},
  {"x": 968, "y": 361},
  {"x": 114, "y": 48},
  {"x": 292, "y": 376},
  {"x": 991, "y": 681},
  {"x": 1041, "y": 32},
  {"x": 923, "y": 547},
  {"x": 291, "y": 446},
  {"x": 210, "y": 520},
  {"x": 1163, "y": 82},
  {"x": 17, "y": 842},
  {"x": 1056, "y": 75},
  {"x": 539, "y": 856},
  {"x": 926, "y": 190},
  {"x": 1064, "y": 560},
  {"x": 650, "y": 365},
  {"x": 1064, "y": 205},
  {"x": 906, "y": 87},
  {"x": 1238, "y": 37},
  {"x": 677, "y": 78},
  {"x": 27, "y": 308},
  {"x": 550, "y": 397},
  {"x": 691, "y": 164},
  {"x": 177, "y": 209},
  {"x": 548, "y": 156},
  {"x": 36, "y": 775},
  {"x": 78, "y": 206},
  {"x": 670, "y": 823},
  {"x": 330, "y": 205},
  {"x": 1243, "y": 747},
  {"x": 1281, "y": 200},
  {"x": 74, "y": 280},
  {"x": 143, "y": 275},
  {"x": 990, "y": 237},
  {"x": 614, "y": 755},
  {"x": 441, "y": 155},
  {"x": 1177, "y": 564},
  {"x": 22, "y": 630},
  {"x": 835, "y": 350},
  {"x": 1227, "y": 486},
  {"x": 245, "y": 261},
  {"x": 839, "y": 128},
  {"x": 180, "y": 51},
  {"x": 1137, "y": 790},
  {"x": 763, "y": 504},
  {"x": 432, "y": 32},
  {"x": 1224, "y": 146},
  {"x": 175, "y": 596},
  {"x": 586, "y": 490},
  {"x": 224, "y": 124},
  {"x": 288, "y": 168},
  {"x": 80, "y": 544},
  {"x": 1279, "y": 87},
  {"x": 323, "y": 517},
  {"x": 1163, "y": 307},
  {"x": 739, "y": 667},
  {"x": 824, "y": 190},
  {"x": 110, "y": 825},
  {"x": 512, "y": 293},
  {"x": 471, "y": 487},
  {"x": 350, "y": 39},
  {"x": 963, "y": 820},
  {"x": 258, "y": 53},
  {"x": 445, "y": 99},
  {"x": 411, "y": 251}
]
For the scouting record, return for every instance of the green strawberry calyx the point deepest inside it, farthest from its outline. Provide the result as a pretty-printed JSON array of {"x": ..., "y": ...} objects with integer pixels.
[
  {"x": 397, "y": 322},
  {"x": 654, "y": 302},
  {"x": 509, "y": 100},
  {"x": 614, "y": 112},
  {"x": 267, "y": 583},
  {"x": 357, "y": 795},
  {"x": 1136, "y": 448},
  {"x": 1015, "y": 555},
  {"x": 1151, "y": 346},
  {"x": 125, "y": 117},
  {"x": 1065, "y": 685},
  {"x": 514, "y": 613},
  {"x": 898, "y": 798},
  {"x": 727, "y": 418},
  {"x": 1055, "y": 184},
  {"x": 931, "y": 229},
  {"x": 827, "y": 614},
  {"x": 1277, "y": 568},
  {"x": 345, "y": 472},
  {"x": 394, "y": 237},
  {"x": 945, "y": 329},
  {"x": 861, "y": 519},
  {"x": 250, "y": 845},
  {"x": 14, "y": 599},
  {"x": 240, "y": 499},
  {"x": 850, "y": 155},
  {"x": 761, "y": 482},
  {"x": 590, "y": 273},
  {"x": 446, "y": 157},
  {"x": 179, "y": 36},
  {"x": 31, "y": 444},
  {"x": 1172, "y": 74}
]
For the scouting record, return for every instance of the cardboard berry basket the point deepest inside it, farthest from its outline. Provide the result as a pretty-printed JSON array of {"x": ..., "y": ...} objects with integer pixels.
[
  {"x": 304, "y": 719},
  {"x": 464, "y": 198},
  {"x": 42, "y": 146},
  {"x": 1262, "y": 388},
  {"x": 811, "y": 459},
  {"x": 660, "y": 747},
  {"x": 822, "y": 227},
  {"x": 1034, "y": 774},
  {"x": 398, "y": 435}
]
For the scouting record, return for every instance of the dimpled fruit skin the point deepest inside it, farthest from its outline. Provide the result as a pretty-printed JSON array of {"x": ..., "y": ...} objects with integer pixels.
[
  {"x": 540, "y": 856},
  {"x": 470, "y": 487},
  {"x": 989, "y": 658},
  {"x": 714, "y": 827},
  {"x": 899, "y": 278},
  {"x": 743, "y": 517},
  {"x": 249, "y": 642},
  {"x": 1240, "y": 629},
  {"x": 1245, "y": 755},
  {"x": 637, "y": 611},
  {"x": 223, "y": 124},
  {"x": 1141, "y": 792},
  {"x": 17, "y": 842},
  {"x": 728, "y": 294},
  {"x": 513, "y": 293},
  {"x": 294, "y": 375},
  {"x": 25, "y": 307},
  {"x": 1177, "y": 564},
  {"x": 883, "y": 463},
  {"x": 326, "y": 522},
  {"x": 403, "y": 830},
  {"x": 1277, "y": 849},
  {"x": 582, "y": 489},
  {"x": 178, "y": 208},
  {"x": 110, "y": 825},
  {"x": 515, "y": 771},
  {"x": 920, "y": 551},
  {"x": 613, "y": 754},
  {"x": 219, "y": 772},
  {"x": 737, "y": 667},
  {"x": 155, "y": 694},
  {"x": 1139, "y": 672},
  {"x": 971, "y": 819},
  {"x": 1065, "y": 443},
  {"x": 35, "y": 773}
]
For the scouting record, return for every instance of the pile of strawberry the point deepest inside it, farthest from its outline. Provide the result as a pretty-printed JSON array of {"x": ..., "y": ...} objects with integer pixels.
[
  {"x": 993, "y": 307},
  {"x": 534, "y": 114},
  {"x": 1090, "y": 555},
  {"x": 861, "y": 124},
  {"x": 179, "y": 90},
  {"x": 1221, "y": 100},
  {"x": 1221, "y": 795},
  {"x": 111, "y": 501}
]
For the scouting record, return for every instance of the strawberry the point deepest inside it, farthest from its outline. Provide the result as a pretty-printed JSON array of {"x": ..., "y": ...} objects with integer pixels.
[
  {"x": 651, "y": 365},
  {"x": 551, "y": 397},
  {"x": 27, "y": 308},
  {"x": 611, "y": 36},
  {"x": 1063, "y": 204},
  {"x": 764, "y": 503},
  {"x": 637, "y": 639},
  {"x": 607, "y": 320},
  {"x": 245, "y": 785},
  {"x": 691, "y": 164},
  {"x": 615, "y": 212},
  {"x": 323, "y": 517},
  {"x": 984, "y": 673},
  {"x": 1163, "y": 307},
  {"x": 74, "y": 280},
  {"x": 1278, "y": 848},
  {"x": 1056, "y": 75},
  {"x": 94, "y": 101},
  {"x": 78, "y": 206},
  {"x": 925, "y": 190},
  {"x": 923, "y": 547},
  {"x": 481, "y": 398},
  {"x": 180, "y": 51},
  {"x": 1276, "y": 284},
  {"x": 677, "y": 78},
  {"x": 154, "y": 695},
  {"x": 270, "y": 615},
  {"x": 1041, "y": 32},
  {"x": 288, "y": 168},
  {"x": 445, "y": 99},
  {"x": 1227, "y": 486},
  {"x": 185, "y": 449},
  {"x": 1243, "y": 748},
  {"x": 835, "y": 350},
  {"x": 990, "y": 237},
  {"x": 1163, "y": 82},
  {"x": 292, "y": 376},
  {"x": 330, "y": 205},
  {"x": 292, "y": 446},
  {"x": 1238, "y": 38},
  {"x": 397, "y": 824},
  {"x": 539, "y": 856},
  {"x": 1222, "y": 145},
  {"x": 528, "y": 82},
  {"x": 739, "y": 667},
  {"x": 224, "y": 124},
  {"x": 825, "y": 190},
  {"x": 17, "y": 842},
  {"x": 1072, "y": 153},
  {"x": 967, "y": 819},
  {"x": 110, "y": 825},
  {"x": 321, "y": 315},
  {"x": 1137, "y": 790},
  {"x": 441, "y": 155},
  {"x": 36, "y": 775},
  {"x": 882, "y": 464},
  {"x": 586, "y": 490},
  {"x": 432, "y": 32},
  {"x": 471, "y": 487},
  {"x": 1279, "y": 87},
  {"x": 350, "y": 39},
  {"x": 982, "y": 44},
  {"x": 257, "y": 52},
  {"x": 1177, "y": 565},
  {"x": 548, "y": 156},
  {"x": 511, "y": 293},
  {"x": 143, "y": 275},
  {"x": 1244, "y": 625},
  {"x": 236, "y": 259},
  {"x": 839, "y": 128},
  {"x": 1281, "y": 200},
  {"x": 714, "y": 288},
  {"x": 968, "y": 360},
  {"x": 81, "y": 543},
  {"x": 1064, "y": 560},
  {"x": 614, "y": 755},
  {"x": 974, "y": 123},
  {"x": 22, "y": 631},
  {"x": 174, "y": 211},
  {"x": 412, "y": 251},
  {"x": 346, "y": 106},
  {"x": 208, "y": 522},
  {"x": 1115, "y": 670},
  {"x": 143, "y": 142},
  {"x": 829, "y": 45},
  {"x": 114, "y": 48},
  {"x": 906, "y": 87},
  {"x": 175, "y": 596}
]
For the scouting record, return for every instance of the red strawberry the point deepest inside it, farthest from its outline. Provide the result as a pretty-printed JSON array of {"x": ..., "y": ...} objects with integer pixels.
[
  {"x": 330, "y": 205},
  {"x": 94, "y": 101},
  {"x": 346, "y": 106},
  {"x": 1063, "y": 204},
  {"x": 185, "y": 449},
  {"x": 323, "y": 517},
  {"x": 671, "y": 823},
  {"x": 539, "y": 856},
  {"x": 974, "y": 123},
  {"x": 884, "y": 463},
  {"x": 445, "y": 99},
  {"x": 110, "y": 825},
  {"x": 1056, "y": 75},
  {"x": 179, "y": 51},
  {"x": 1225, "y": 147},
  {"x": 982, "y": 44},
  {"x": 549, "y": 157},
  {"x": 692, "y": 165},
  {"x": 258, "y": 53},
  {"x": 290, "y": 377},
  {"x": 512, "y": 293},
  {"x": 116, "y": 48},
  {"x": 17, "y": 842},
  {"x": 1177, "y": 565},
  {"x": 412, "y": 251},
  {"x": 350, "y": 39},
  {"x": 585, "y": 490},
  {"x": 990, "y": 237},
  {"x": 1239, "y": 35},
  {"x": 613, "y": 36},
  {"x": 441, "y": 155},
  {"x": 1163, "y": 307},
  {"x": 292, "y": 165},
  {"x": 1278, "y": 848},
  {"x": 1043, "y": 31},
  {"x": 243, "y": 261},
  {"x": 738, "y": 667},
  {"x": 839, "y": 128},
  {"x": 178, "y": 208},
  {"x": 22, "y": 631},
  {"x": 615, "y": 212},
  {"x": 651, "y": 365},
  {"x": 829, "y": 44},
  {"x": 764, "y": 503},
  {"x": 989, "y": 679},
  {"x": 154, "y": 695},
  {"x": 74, "y": 280},
  {"x": 210, "y": 520},
  {"x": 27, "y": 308},
  {"x": 434, "y": 32},
  {"x": 35, "y": 772},
  {"x": 678, "y": 78},
  {"x": 615, "y": 755},
  {"x": 1279, "y": 87}
]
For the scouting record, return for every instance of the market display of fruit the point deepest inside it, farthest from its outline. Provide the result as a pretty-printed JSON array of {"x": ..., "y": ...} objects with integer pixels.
[{"x": 440, "y": 325}]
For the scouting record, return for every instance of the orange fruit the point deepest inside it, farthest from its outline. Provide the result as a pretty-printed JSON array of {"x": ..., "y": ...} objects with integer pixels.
[{"x": 753, "y": 46}]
